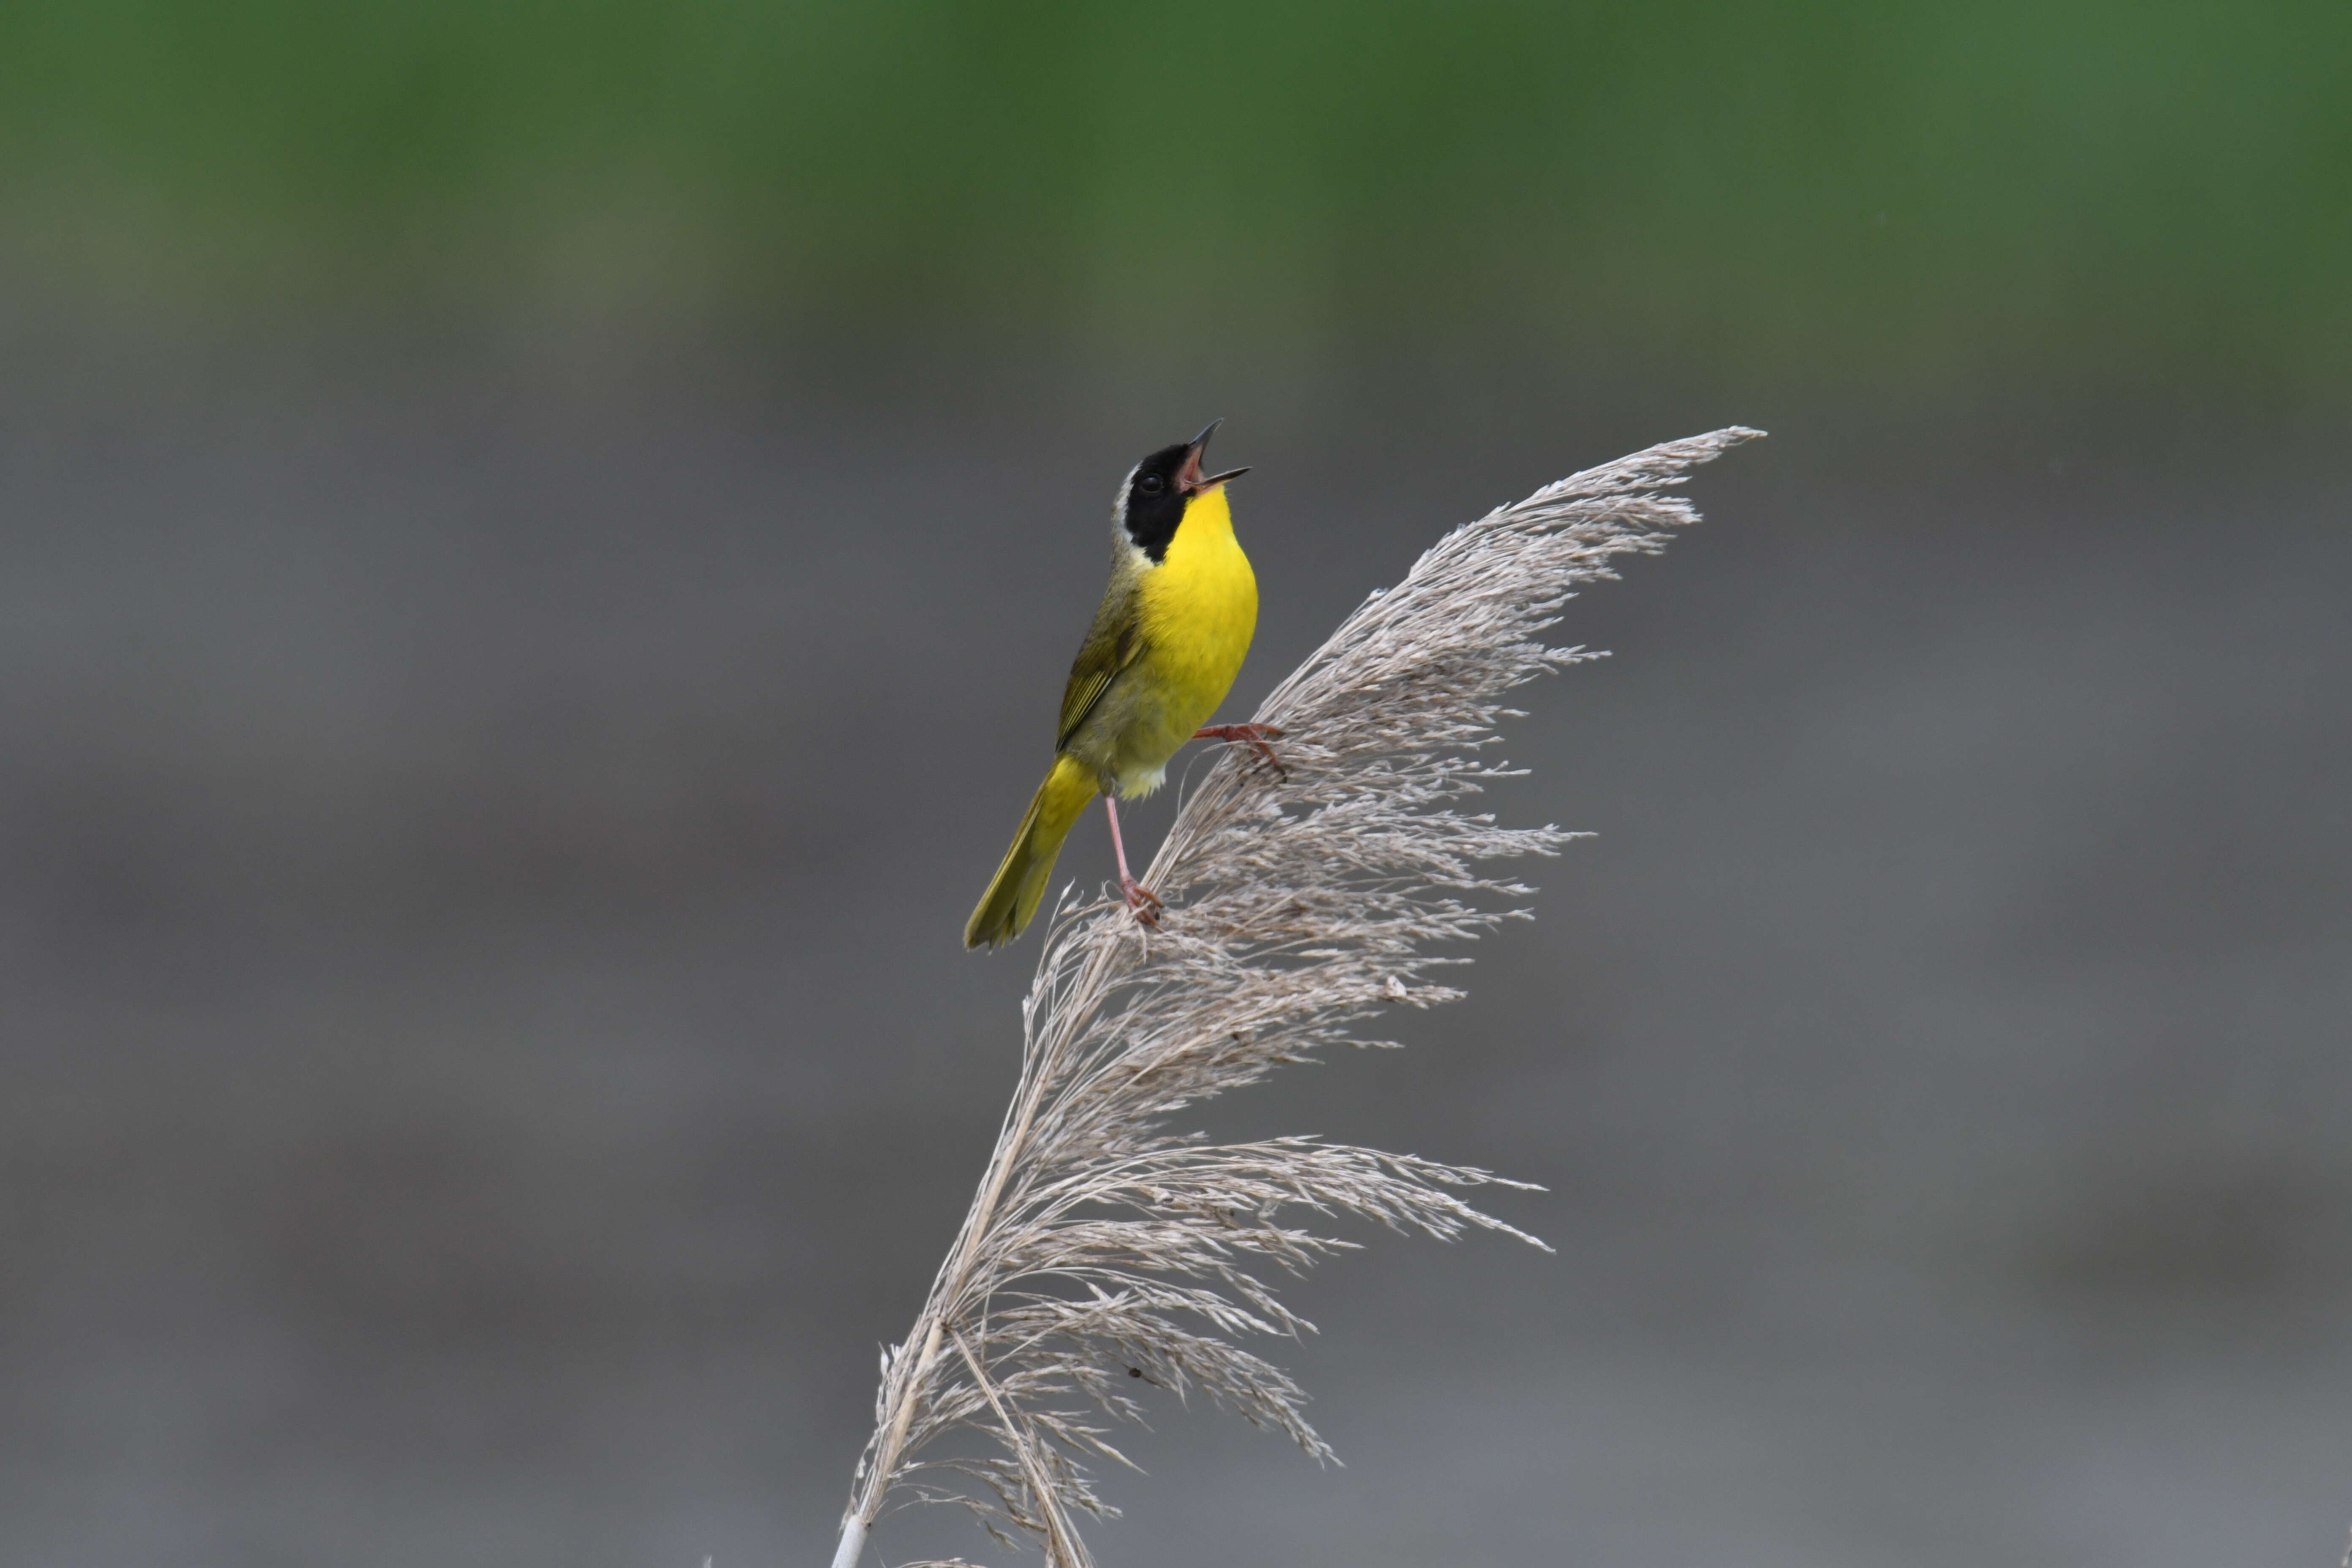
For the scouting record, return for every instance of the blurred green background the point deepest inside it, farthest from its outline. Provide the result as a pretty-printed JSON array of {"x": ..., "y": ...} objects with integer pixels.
[{"x": 1838, "y": 194}]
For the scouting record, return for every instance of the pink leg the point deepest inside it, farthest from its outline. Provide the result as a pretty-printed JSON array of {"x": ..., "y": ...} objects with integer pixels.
[
  {"x": 1140, "y": 899},
  {"x": 1255, "y": 736}
]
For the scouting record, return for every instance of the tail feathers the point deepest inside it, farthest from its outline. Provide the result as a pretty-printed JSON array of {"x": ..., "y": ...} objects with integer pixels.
[{"x": 1012, "y": 898}]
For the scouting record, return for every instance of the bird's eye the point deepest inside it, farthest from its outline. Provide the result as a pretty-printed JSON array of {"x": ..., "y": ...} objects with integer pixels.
[{"x": 1151, "y": 484}]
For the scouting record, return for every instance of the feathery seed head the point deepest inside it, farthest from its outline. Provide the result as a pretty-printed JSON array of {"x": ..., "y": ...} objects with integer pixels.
[{"x": 1105, "y": 1250}]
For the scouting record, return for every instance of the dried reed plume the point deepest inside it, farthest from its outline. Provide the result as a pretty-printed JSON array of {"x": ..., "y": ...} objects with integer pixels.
[{"x": 1104, "y": 1248}]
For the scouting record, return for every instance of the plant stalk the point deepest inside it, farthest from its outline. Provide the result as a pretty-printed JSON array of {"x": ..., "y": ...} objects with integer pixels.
[{"x": 932, "y": 1324}]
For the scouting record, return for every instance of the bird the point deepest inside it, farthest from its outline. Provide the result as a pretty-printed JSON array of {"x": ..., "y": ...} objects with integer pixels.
[{"x": 1174, "y": 625}]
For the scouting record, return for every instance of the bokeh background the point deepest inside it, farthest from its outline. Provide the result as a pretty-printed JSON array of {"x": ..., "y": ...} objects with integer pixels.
[{"x": 541, "y": 544}]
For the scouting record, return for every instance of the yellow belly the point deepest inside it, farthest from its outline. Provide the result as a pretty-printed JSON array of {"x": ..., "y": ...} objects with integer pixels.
[{"x": 1199, "y": 610}]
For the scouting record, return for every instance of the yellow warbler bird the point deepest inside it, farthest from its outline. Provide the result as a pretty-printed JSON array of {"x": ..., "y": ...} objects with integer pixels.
[{"x": 1165, "y": 646}]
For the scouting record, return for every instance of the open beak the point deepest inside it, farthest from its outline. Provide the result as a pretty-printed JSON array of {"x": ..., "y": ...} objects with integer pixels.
[{"x": 1189, "y": 479}]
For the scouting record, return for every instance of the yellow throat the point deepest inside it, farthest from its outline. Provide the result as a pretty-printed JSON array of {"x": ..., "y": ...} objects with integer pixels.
[{"x": 1199, "y": 609}]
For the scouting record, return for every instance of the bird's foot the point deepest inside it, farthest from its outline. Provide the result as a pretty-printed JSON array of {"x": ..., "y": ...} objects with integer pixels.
[
  {"x": 1253, "y": 736},
  {"x": 1141, "y": 900}
]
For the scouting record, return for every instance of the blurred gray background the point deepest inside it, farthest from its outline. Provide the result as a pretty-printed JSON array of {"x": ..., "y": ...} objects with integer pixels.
[
  {"x": 538, "y": 549},
  {"x": 489, "y": 1056}
]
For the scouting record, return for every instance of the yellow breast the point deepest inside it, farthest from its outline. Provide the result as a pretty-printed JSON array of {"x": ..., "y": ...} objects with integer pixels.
[{"x": 1200, "y": 610}]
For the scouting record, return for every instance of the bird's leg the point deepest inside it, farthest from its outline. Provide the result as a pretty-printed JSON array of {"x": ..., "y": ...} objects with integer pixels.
[
  {"x": 1255, "y": 735},
  {"x": 1141, "y": 899}
]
